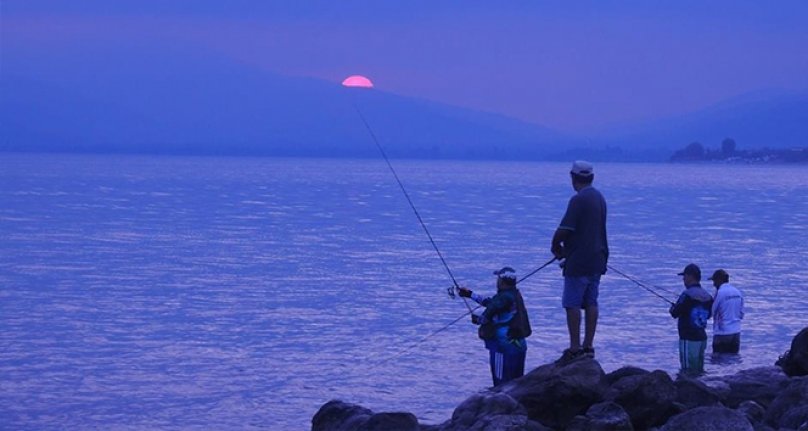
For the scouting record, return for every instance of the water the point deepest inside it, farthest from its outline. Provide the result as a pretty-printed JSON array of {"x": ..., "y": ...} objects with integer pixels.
[{"x": 229, "y": 293}]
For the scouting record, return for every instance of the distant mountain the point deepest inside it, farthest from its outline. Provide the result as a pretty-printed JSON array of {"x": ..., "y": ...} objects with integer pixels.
[
  {"x": 770, "y": 119},
  {"x": 171, "y": 101}
]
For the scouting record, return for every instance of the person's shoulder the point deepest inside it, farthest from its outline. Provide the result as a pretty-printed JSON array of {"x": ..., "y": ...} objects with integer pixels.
[
  {"x": 590, "y": 192},
  {"x": 734, "y": 289}
]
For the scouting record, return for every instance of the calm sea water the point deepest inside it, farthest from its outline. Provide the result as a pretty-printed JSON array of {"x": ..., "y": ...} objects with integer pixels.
[{"x": 228, "y": 293}]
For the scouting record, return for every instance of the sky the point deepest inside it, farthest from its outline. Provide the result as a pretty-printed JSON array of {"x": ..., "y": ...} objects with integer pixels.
[{"x": 572, "y": 66}]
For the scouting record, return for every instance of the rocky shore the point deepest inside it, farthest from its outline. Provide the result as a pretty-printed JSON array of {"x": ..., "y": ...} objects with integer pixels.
[{"x": 581, "y": 396}]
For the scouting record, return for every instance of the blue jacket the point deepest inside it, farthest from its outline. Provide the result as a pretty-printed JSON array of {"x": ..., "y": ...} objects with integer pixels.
[{"x": 693, "y": 308}]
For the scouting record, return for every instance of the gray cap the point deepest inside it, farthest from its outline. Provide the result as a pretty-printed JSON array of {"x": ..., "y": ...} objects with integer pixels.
[{"x": 582, "y": 168}]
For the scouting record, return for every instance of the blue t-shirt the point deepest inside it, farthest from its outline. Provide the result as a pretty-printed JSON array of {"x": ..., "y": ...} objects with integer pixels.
[{"x": 586, "y": 248}]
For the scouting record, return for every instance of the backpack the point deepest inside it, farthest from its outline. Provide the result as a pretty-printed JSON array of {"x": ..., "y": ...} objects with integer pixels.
[{"x": 519, "y": 326}]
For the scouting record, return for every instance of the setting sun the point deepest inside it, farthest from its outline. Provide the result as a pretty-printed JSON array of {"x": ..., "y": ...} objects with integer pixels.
[{"x": 357, "y": 81}]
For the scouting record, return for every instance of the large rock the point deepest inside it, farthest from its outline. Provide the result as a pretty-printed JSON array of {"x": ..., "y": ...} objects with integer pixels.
[
  {"x": 709, "y": 419},
  {"x": 760, "y": 385},
  {"x": 489, "y": 411},
  {"x": 789, "y": 405},
  {"x": 336, "y": 415},
  {"x": 554, "y": 394},
  {"x": 398, "y": 421},
  {"x": 753, "y": 411},
  {"x": 649, "y": 399},
  {"x": 619, "y": 373},
  {"x": 692, "y": 393},
  {"x": 605, "y": 416},
  {"x": 796, "y": 418}
]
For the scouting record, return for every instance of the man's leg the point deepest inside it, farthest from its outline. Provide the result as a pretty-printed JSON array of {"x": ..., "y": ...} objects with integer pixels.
[
  {"x": 574, "y": 327},
  {"x": 702, "y": 346},
  {"x": 693, "y": 356},
  {"x": 590, "y": 303},
  {"x": 572, "y": 301},
  {"x": 495, "y": 360},
  {"x": 590, "y": 324},
  {"x": 513, "y": 366}
]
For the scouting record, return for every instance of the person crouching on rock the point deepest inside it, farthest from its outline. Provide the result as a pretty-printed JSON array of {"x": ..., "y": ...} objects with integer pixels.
[
  {"x": 692, "y": 309},
  {"x": 504, "y": 325}
]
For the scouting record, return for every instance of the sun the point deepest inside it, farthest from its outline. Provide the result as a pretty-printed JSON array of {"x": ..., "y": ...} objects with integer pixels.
[{"x": 357, "y": 81}]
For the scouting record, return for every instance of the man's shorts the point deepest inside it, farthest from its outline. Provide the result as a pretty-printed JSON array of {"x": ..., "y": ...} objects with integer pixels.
[
  {"x": 691, "y": 355},
  {"x": 580, "y": 292}
]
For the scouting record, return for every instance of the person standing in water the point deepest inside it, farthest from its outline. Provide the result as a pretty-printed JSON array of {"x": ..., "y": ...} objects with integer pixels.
[
  {"x": 692, "y": 310},
  {"x": 581, "y": 241},
  {"x": 727, "y": 314},
  {"x": 504, "y": 325}
]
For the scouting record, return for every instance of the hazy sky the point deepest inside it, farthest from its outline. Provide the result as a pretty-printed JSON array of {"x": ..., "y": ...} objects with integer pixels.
[{"x": 571, "y": 67}]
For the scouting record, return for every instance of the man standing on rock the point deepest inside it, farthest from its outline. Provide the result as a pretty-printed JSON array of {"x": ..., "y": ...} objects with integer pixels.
[
  {"x": 692, "y": 309},
  {"x": 504, "y": 325},
  {"x": 581, "y": 240},
  {"x": 727, "y": 314}
]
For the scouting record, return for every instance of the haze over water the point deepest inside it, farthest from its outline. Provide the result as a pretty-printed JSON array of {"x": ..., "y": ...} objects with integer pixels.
[{"x": 231, "y": 293}]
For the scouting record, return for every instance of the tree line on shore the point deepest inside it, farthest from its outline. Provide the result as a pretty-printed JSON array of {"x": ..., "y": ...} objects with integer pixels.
[{"x": 696, "y": 152}]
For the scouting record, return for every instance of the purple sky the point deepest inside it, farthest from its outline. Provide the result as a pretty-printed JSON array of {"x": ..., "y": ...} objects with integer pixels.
[{"x": 573, "y": 68}]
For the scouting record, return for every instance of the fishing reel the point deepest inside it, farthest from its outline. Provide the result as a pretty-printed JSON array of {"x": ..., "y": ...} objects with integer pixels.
[{"x": 451, "y": 292}]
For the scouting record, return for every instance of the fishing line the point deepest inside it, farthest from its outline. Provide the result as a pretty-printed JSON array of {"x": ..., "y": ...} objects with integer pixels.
[
  {"x": 412, "y": 205},
  {"x": 642, "y": 285},
  {"x": 426, "y": 337},
  {"x": 447, "y": 326}
]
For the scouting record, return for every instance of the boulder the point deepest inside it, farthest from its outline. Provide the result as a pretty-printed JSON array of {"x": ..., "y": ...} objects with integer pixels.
[
  {"x": 608, "y": 416},
  {"x": 691, "y": 393},
  {"x": 336, "y": 415},
  {"x": 789, "y": 405},
  {"x": 752, "y": 410},
  {"x": 490, "y": 411},
  {"x": 554, "y": 394},
  {"x": 709, "y": 419},
  {"x": 647, "y": 398},
  {"x": 795, "y": 418},
  {"x": 619, "y": 373},
  {"x": 760, "y": 385},
  {"x": 391, "y": 421},
  {"x": 578, "y": 423}
]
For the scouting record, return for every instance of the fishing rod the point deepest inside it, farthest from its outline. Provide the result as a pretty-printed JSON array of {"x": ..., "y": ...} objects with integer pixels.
[
  {"x": 537, "y": 269},
  {"x": 640, "y": 284},
  {"x": 672, "y": 292},
  {"x": 412, "y": 205},
  {"x": 448, "y": 325}
]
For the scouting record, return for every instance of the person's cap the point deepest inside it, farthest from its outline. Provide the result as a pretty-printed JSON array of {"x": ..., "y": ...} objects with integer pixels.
[
  {"x": 720, "y": 275},
  {"x": 506, "y": 272},
  {"x": 691, "y": 269},
  {"x": 582, "y": 168}
]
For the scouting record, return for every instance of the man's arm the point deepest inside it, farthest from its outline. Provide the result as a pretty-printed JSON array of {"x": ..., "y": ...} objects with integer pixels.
[
  {"x": 676, "y": 309},
  {"x": 559, "y": 239},
  {"x": 567, "y": 226}
]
